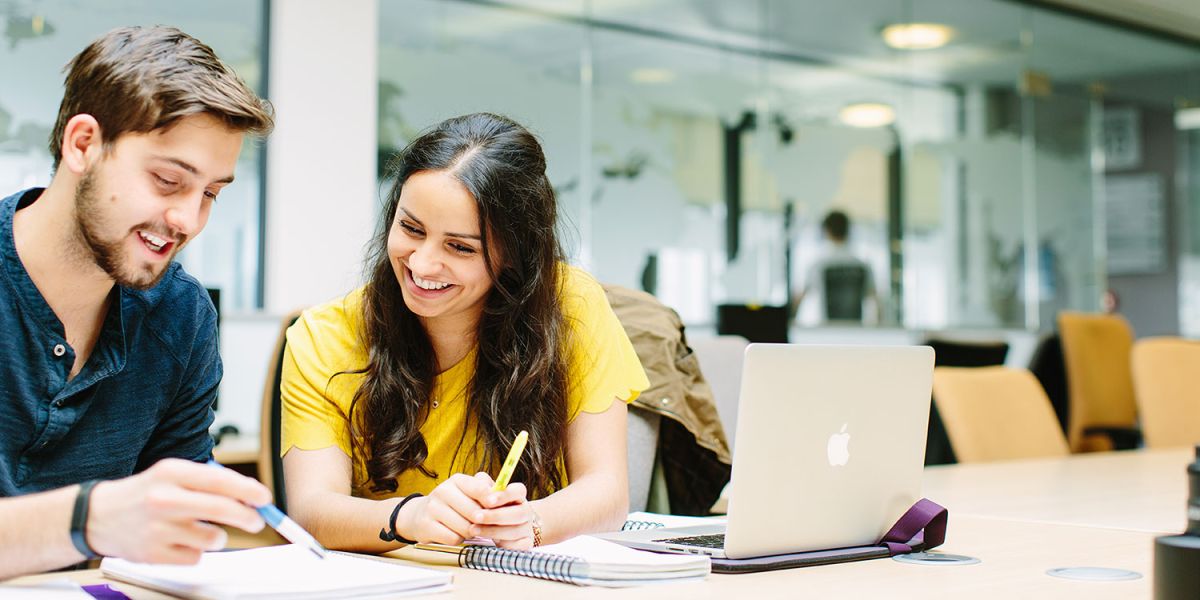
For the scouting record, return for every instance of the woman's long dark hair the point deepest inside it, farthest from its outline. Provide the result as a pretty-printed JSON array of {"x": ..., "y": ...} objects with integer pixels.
[{"x": 520, "y": 377}]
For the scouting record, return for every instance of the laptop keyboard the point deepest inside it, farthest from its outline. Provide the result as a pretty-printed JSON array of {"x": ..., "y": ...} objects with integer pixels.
[{"x": 703, "y": 541}]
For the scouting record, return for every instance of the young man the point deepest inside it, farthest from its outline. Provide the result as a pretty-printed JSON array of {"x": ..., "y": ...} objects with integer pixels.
[
  {"x": 109, "y": 349},
  {"x": 842, "y": 280}
]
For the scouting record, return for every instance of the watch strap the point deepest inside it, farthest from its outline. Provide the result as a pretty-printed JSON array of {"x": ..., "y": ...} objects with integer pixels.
[{"x": 79, "y": 519}]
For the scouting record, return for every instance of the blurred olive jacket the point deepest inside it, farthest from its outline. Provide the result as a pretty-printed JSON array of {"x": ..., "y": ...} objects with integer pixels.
[{"x": 692, "y": 446}]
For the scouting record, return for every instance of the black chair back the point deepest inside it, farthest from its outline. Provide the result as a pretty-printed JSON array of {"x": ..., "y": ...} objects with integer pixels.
[
  {"x": 272, "y": 425},
  {"x": 1050, "y": 368},
  {"x": 755, "y": 323},
  {"x": 845, "y": 286}
]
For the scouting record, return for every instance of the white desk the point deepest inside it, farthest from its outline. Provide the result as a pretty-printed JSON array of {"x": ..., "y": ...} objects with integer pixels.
[
  {"x": 240, "y": 449},
  {"x": 1019, "y": 518},
  {"x": 1141, "y": 490},
  {"x": 1015, "y": 556}
]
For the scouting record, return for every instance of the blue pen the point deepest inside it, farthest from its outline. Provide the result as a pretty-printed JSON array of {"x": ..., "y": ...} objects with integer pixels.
[{"x": 289, "y": 529}]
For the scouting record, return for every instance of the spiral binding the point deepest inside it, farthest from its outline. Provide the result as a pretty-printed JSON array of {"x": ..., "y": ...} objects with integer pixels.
[
  {"x": 554, "y": 567},
  {"x": 640, "y": 525}
]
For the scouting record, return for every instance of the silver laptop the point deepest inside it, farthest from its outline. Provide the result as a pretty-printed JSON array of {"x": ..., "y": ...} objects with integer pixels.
[{"x": 830, "y": 449}]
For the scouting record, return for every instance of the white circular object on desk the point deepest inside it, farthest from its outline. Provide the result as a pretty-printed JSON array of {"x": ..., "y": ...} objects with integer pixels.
[
  {"x": 935, "y": 558},
  {"x": 1094, "y": 574}
]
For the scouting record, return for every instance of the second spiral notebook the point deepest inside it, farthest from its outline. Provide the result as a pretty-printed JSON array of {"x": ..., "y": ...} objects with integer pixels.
[{"x": 582, "y": 560}]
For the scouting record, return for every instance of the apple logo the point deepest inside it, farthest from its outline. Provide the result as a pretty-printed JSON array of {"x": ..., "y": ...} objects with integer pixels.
[{"x": 838, "y": 448}]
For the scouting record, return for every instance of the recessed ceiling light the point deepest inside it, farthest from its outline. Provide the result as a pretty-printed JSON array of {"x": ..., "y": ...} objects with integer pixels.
[
  {"x": 652, "y": 75},
  {"x": 867, "y": 114},
  {"x": 916, "y": 36},
  {"x": 1187, "y": 118}
]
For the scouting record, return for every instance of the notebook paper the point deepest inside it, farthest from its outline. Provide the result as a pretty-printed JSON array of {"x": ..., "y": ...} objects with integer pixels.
[
  {"x": 609, "y": 562},
  {"x": 287, "y": 571},
  {"x": 583, "y": 560},
  {"x": 58, "y": 589},
  {"x": 649, "y": 520}
]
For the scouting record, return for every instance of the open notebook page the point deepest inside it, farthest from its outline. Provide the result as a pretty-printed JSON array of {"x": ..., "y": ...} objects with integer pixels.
[
  {"x": 58, "y": 589},
  {"x": 674, "y": 520},
  {"x": 287, "y": 571},
  {"x": 601, "y": 562},
  {"x": 608, "y": 560}
]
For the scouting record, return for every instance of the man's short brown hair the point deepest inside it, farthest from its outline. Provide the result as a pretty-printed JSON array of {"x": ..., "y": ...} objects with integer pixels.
[{"x": 140, "y": 79}]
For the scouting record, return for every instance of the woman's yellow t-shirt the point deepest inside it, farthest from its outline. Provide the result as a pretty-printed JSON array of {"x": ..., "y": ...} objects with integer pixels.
[{"x": 326, "y": 341}]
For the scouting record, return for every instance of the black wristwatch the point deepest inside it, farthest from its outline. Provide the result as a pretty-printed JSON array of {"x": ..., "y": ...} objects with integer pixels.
[{"x": 79, "y": 519}]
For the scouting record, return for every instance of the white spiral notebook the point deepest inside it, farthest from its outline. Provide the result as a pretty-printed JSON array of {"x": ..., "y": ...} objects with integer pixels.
[
  {"x": 583, "y": 560},
  {"x": 287, "y": 571}
]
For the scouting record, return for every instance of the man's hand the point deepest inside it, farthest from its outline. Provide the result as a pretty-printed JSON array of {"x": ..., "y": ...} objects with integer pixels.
[{"x": 170, "y": 513}]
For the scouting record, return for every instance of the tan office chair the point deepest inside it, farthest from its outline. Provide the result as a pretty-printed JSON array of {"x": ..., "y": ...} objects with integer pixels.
[
  {"x": 950, "y": 352},
  {"x": 270, "y": 464},
  {"x": 1166, "y": 377},
  {"x": 1102, "y": 414},
  {"x": 996, "y": 413}
]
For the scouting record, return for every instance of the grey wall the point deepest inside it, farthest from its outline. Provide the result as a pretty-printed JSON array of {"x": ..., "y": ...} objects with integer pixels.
[{"x": 1151, "y": 301}]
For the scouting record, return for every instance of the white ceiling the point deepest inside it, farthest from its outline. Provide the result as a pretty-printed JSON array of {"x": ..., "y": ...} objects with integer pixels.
[
  {"x": 713, "y": 48},
  {"x": 1178, "y": 17}
]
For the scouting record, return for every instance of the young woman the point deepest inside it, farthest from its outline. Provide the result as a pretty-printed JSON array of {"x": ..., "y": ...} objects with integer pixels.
[{"x": 401, "y": 399}]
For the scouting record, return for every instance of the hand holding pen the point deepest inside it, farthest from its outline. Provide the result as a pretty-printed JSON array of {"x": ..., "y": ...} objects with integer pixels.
[
  {"x": 289, "y": 529},
  {"x": 508, "y": 522},
  {"x": 465, "y": 506},
  {"x": 171, "y": 513}
]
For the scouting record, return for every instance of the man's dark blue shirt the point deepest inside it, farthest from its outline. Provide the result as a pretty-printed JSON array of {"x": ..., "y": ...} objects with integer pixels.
[{"x": 145, "y": 393}]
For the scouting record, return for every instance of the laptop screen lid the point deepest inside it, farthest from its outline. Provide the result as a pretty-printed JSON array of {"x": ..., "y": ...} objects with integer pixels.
[
  {"x": 830, "y": 445},
  {"x": 830, "y": 451}
]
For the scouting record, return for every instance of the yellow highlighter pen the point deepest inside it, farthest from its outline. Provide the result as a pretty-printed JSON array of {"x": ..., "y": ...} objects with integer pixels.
[{"x": 510, "y": 463}]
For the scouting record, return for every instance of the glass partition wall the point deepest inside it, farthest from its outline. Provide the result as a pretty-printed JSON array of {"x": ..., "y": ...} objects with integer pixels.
[{"x": 697, "y": 145}]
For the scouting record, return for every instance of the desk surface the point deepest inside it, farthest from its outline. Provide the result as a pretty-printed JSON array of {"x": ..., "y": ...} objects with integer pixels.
[
  {"x": 1015, "y": 556},
  {"x": 1140, "y": 490},
  {"x": 237, "y": 450},
  {"x": 1020, "y": 518}
]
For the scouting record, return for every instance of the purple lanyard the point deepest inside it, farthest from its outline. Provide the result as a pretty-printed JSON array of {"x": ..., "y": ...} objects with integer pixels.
[
  {"x": 104, "y": 592},
  {"x": 924, "y": 523}
]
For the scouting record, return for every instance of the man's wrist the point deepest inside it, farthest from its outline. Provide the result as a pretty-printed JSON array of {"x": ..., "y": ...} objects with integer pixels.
[
  {"x": 100, "y": 508},
  {"x": 79, "y": 520}
]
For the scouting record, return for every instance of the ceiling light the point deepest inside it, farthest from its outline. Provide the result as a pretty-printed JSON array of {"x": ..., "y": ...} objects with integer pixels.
[
  {"x": 1187, "y": 118},
  {"x": 867, "y": 114},
  {"x": 652, "y": 75},
  {"x": 916, "y": 36}
]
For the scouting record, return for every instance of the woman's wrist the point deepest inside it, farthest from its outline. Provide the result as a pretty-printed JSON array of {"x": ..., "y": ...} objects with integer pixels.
[
  {"x": 398, "y": 528},
  {"x": 406, "y": 519},
  {"x": 535, "y": 521}
]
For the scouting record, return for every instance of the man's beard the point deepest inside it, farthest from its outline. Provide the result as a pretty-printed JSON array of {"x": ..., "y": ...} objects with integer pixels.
[{"x": 90, "y": 222}]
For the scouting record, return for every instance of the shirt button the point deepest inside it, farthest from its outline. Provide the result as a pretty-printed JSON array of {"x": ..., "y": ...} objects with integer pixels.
[
  {"x": 666, "y": 401},
  {"x": 59, "y": 349},
  {"x": 435, "y": 403}
]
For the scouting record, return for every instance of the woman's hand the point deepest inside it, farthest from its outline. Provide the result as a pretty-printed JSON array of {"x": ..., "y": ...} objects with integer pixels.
[
  {"x": 445, "y": 515},
  {"x": 463, "y": 507},
  {"x": 506, "y": 518}
]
